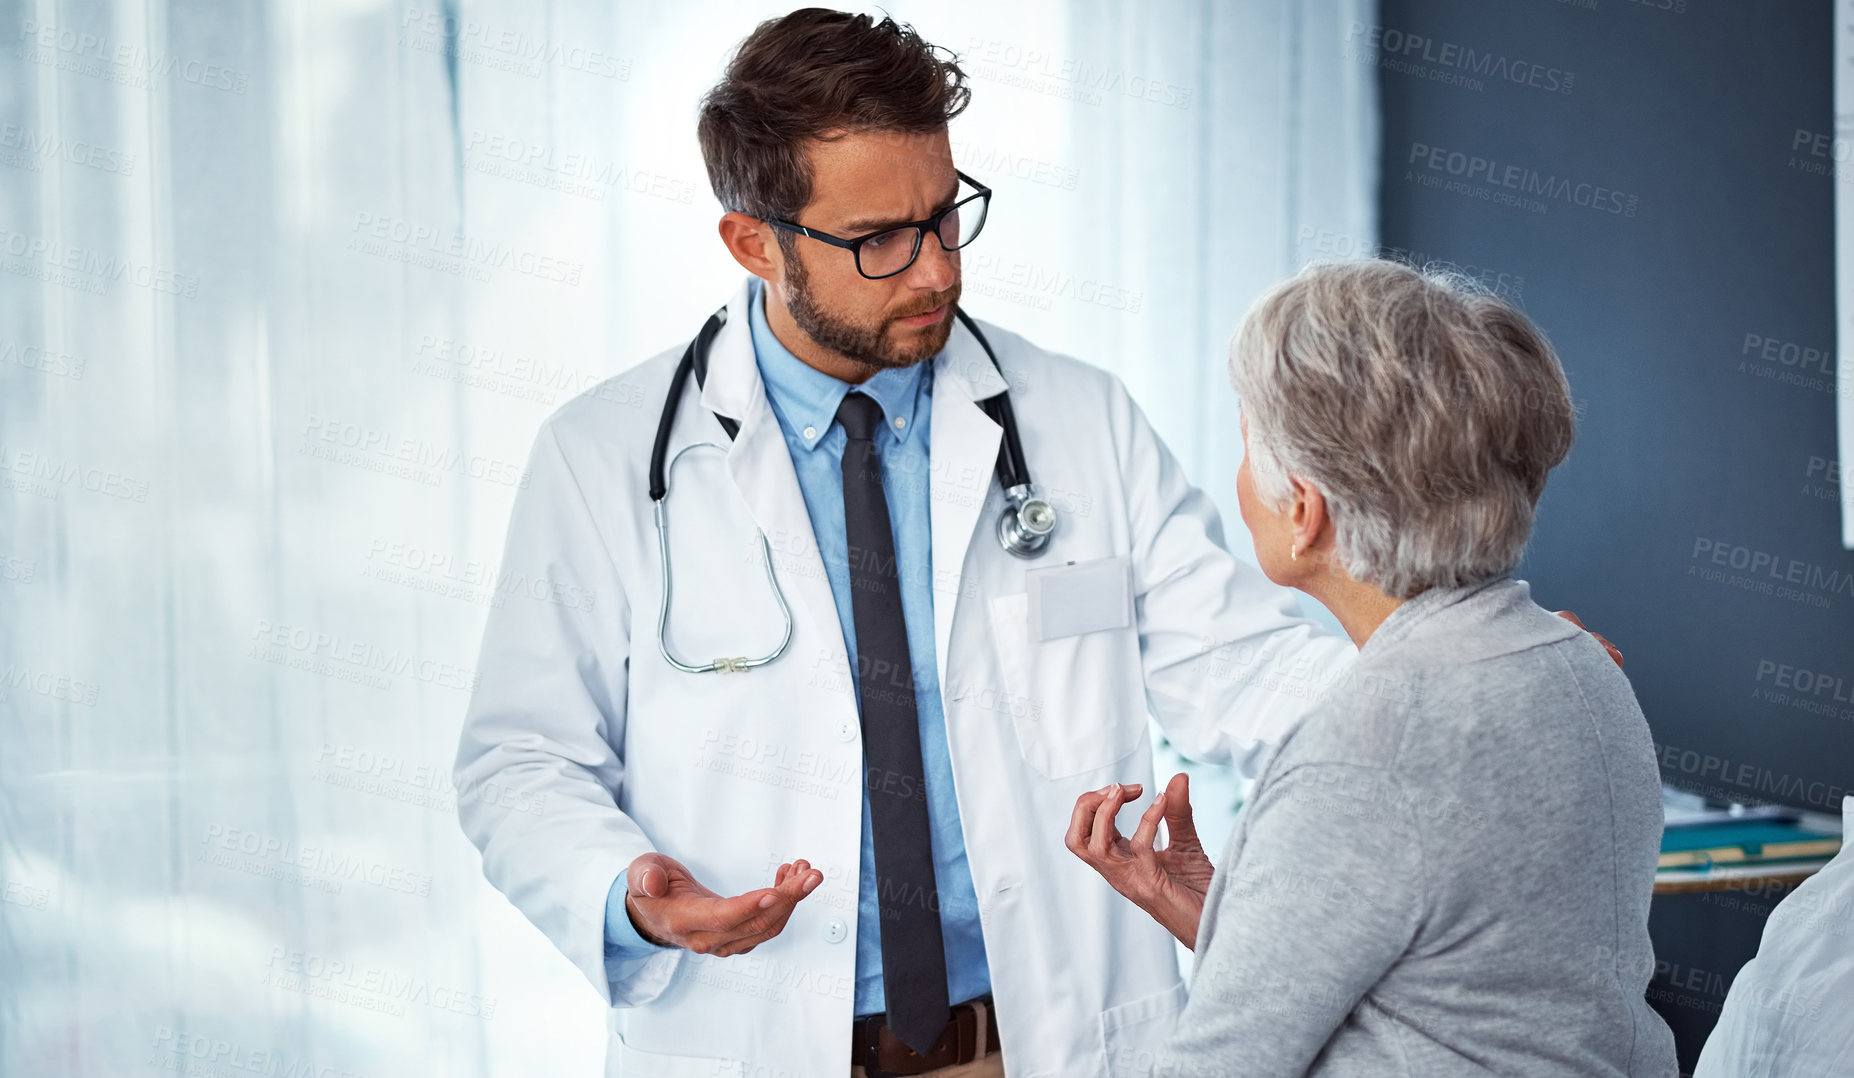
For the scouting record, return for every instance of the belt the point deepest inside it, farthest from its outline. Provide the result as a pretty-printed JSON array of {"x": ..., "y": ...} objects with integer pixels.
[{"x": 969, "y": 1034}]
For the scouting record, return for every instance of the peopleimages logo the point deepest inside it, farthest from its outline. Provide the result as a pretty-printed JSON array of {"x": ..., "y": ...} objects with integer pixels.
[
  {"x": 1702, "y": 772},
  {"x": 1544, "y": 187},
  {"x": 1410, "y": 49},
  {"x": 1812, "y": 691},
  {"x": 505, "y": 47},
  {"x": 396, "y": 239},
  {"x": 1034, "y": 68},
  {"x": 33, "y": 147},
  {"x": 128, "y": 63},
  {"x": 1757, "y": 564},
  {"x": 90, "y": 269},
  {"x": 1801, "y": 679}
]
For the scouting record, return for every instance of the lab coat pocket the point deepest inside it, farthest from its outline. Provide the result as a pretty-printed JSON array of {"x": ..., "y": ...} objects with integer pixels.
[
  {"x": 625, "y": 1061},
  {"x": 1133, "y": 1033},
  {"x": 1069, "y": 699}
]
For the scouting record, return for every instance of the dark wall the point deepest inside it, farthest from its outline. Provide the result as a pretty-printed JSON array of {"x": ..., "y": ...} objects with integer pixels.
[{"x": 1654, "y": 182}]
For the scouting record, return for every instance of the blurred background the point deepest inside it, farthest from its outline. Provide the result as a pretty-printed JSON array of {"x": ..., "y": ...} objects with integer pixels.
[{"x": 289, "y": 287}]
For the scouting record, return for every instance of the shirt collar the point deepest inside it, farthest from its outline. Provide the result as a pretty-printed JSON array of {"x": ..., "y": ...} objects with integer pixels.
[
  {"x": 806, "y": 398},
  {"x": 1399, "y": 623}
]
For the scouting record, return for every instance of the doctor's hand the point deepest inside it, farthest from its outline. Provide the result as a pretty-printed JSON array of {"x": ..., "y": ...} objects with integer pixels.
[
  {"x": 672, "y": 909},
  {"x": 1607, "y": 646},
  {"x": 1170, "y": 883}
]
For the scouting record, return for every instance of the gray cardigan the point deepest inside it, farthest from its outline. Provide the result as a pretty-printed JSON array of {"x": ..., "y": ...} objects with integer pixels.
[{"x": 1445, "y": 870}]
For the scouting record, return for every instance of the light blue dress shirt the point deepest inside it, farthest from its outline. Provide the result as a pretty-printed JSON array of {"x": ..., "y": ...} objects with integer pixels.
[{"x": 805, "y": 401}]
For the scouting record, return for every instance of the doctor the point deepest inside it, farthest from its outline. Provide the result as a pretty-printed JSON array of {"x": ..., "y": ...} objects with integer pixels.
[{"x": 790, "y": 788}]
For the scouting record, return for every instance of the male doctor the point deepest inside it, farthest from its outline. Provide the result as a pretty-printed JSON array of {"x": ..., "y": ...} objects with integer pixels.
[{"x": 850, "y": 859}]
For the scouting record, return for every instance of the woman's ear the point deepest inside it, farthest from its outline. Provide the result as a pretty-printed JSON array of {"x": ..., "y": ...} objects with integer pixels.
[{"x": 1307, "y": 517}]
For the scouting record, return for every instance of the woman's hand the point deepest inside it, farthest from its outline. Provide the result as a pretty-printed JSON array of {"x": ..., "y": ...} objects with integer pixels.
[{"x": 1170, "y": 883}]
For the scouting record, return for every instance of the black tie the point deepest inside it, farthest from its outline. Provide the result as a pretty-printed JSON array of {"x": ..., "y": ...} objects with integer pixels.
[{"x": 913, "y": 956}]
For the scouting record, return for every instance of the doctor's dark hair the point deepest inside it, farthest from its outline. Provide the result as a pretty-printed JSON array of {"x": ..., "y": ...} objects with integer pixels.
[
  {"x": 1427, "y": 411},
  {"x": 816, "y": 74}
]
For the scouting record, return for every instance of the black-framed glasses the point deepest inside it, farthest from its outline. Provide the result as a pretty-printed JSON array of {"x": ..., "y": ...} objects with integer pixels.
[{"x": 888, "y": 252}]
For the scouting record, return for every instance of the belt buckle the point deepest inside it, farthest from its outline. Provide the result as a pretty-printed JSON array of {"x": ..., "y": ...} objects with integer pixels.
[
  {"x": 964, "y": 1037},
  {"x": 873, "y": 1068}
]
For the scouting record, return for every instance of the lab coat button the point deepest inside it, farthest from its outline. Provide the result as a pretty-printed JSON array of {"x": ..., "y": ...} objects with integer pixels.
[
  {"x": 846, "y": 731},
  {"x": 835, "y": 931}
]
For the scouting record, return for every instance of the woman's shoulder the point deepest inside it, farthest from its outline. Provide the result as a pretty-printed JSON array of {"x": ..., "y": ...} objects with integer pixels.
[
  {"x": 1361, "y": 720},
  {"x": 1464, "y": 676},
  {"x": 1471, "y": 648}
]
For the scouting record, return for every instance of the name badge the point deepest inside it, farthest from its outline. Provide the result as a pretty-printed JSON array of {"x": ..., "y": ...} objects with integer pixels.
[{"x": 1080, "y": 597}]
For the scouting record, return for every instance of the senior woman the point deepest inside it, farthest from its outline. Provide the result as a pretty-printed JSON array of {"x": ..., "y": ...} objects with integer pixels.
[{"x": 1445, "y": 870}]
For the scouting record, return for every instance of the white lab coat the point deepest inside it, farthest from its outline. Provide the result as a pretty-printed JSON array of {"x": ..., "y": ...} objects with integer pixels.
[
  {"x": 583, "y": 748},
  {"x": 1790, "y": 1013}
]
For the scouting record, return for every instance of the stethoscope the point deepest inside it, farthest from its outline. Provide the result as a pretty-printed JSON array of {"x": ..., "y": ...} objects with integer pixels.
[{"x": 1024, "y": 527}]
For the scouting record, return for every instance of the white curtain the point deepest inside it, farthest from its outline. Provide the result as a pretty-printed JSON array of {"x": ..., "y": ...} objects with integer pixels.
[{"x": 287, "y": 290}]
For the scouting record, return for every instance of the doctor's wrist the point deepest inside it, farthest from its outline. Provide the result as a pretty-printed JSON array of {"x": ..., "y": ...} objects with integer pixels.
[
  {"x": 637, "y": 925},
  {"x": 622, "y": 934}
]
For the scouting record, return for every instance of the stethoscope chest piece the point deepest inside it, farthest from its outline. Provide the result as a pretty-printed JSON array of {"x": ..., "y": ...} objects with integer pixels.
[{"x": 1027, "y": 523}]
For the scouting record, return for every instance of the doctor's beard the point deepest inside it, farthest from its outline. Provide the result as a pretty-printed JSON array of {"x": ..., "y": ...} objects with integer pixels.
[{"x": 865, "y": 344}]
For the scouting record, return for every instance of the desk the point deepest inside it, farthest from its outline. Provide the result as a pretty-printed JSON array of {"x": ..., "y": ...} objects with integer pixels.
[{"x": 1674, "y": 881}]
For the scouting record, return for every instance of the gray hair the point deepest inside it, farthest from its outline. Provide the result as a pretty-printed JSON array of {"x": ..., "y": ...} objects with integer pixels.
[{"x": 1425, "y": 409}]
